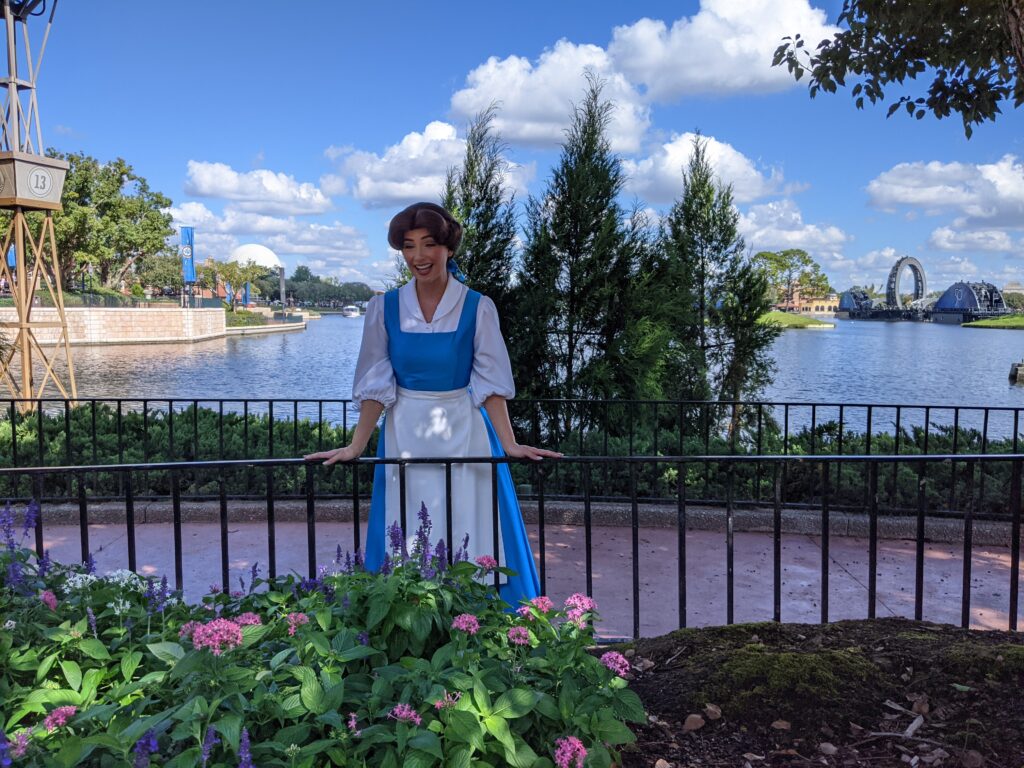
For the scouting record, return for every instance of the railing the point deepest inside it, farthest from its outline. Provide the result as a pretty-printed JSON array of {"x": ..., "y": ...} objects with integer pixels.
[
  {"x": 115, "y": 431},
  {"x": 822, "y": 468}
]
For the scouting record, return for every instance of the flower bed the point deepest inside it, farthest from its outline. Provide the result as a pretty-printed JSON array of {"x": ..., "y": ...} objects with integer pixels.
[{"x": 422, "y": 665}]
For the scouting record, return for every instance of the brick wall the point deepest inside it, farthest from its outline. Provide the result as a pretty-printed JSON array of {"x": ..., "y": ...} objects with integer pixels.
[{"x": 88, "y": 325}]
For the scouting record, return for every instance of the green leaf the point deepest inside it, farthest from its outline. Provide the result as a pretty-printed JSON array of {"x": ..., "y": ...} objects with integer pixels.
[
  {"x": 481, "y": 697},
  {"x": 293, "y": 734},
  {"x": 254, "y": 633},
  {"x": 94, "y": 649},
  {"x": 417, "y": 759},
  {"x": 320, "y": 642},
  {"x": 72, "y": 673},
  {"x": 73, "y": 752},
  {"x": 428, "y": 742},
  {"x": 323, "y": 618},
  {"x": 498, "y": 728},
  {"x": 230, "y": 727},
  {"x": 356, "y": 652},
  {"x": 628, "y": 706},
  {"x": 610, "y": 731},
  {"x": 167, "y": 652},
  {"x": 312, "y": 696},
  {"x": 515, "y": 703},
  {"x": 458, "y": 757},
  {"x": 280, "y": 657},
  {"x": 378, "y": 610},
  {"x": 129, "y": 663},
  {"x": 45, "y": 666},
  {"x": 465, "y": 727}
]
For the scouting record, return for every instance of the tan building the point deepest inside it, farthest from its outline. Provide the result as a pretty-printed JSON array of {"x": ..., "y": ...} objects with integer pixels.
[
  {"x": 1013, "y": 287},
  {"x": 819, "y": 305}
]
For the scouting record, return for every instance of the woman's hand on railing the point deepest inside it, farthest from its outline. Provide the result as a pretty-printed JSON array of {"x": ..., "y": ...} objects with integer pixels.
[
  {"x": 517, "y": 451},
  {"x": 347, "y": 453}
]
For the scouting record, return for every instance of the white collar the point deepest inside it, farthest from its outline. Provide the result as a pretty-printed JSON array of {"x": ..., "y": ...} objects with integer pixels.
[{"x": 449, "y": 300}]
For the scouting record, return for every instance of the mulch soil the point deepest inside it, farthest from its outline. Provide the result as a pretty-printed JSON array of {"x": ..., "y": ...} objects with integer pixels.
[{"x": 854, "y": 693}]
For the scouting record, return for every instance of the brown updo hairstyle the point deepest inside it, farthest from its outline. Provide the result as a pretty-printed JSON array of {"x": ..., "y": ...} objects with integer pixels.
[{"x": 441, "y": 225}]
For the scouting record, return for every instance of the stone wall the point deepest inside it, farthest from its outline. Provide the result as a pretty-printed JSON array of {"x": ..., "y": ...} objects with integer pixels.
[{"x": 90, "y": 325}]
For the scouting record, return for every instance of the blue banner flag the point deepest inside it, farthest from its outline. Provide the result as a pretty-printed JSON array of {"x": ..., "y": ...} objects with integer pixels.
[
  {"x": 188, "y": 260},
  {"x": 12, "y": 260},
  {"x": 245, "y": 295},
  {"x": 229, "y": 294}
]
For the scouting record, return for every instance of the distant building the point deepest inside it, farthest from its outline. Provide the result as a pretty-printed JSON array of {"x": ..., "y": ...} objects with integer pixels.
[
  {"x": 1013, "y": 287},
  {"x": 818, "y": 305},
  {"x": 963, "y": 302}
]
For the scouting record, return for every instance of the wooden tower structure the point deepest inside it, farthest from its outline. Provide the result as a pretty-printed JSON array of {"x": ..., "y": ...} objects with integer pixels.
[{"x": 30, "y": 191}]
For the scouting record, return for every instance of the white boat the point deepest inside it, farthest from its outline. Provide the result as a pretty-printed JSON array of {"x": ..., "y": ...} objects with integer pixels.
[{"x": 350, "y": 311}]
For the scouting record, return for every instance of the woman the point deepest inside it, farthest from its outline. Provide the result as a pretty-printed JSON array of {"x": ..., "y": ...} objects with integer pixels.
[{"x": 434, "y": 361}]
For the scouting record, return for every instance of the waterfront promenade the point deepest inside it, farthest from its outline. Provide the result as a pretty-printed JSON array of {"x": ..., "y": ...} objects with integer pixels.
[{"x": 566, "y": 569}]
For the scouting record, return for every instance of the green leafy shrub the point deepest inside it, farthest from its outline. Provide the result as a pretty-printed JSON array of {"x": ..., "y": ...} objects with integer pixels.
[{"x": 421, "y": 665}]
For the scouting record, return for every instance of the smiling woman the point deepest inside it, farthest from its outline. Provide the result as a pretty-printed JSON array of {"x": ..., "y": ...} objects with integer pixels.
[{"x": 433, "y": 359}]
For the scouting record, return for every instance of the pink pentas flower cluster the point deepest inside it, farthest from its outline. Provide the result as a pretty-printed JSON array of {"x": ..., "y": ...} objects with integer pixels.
[
  {"x": 449, "y": 701},
  {"x": 616, "y": 662},
  {"x": 577, "y": 605},
  {"x": 59, "y": 717},
  {"x": 570, "y": 752},
  {"x": 248, "y": 619},
  {"x": 186, "y": 629},
  {"x": 487, "y": 562},
  {"x": 406, "y": 714},
  {"x": 352, "y": 723},
  {"x": 542, "y": 604},
  {"x": 218, "y": 635},
  {"x": 20, "y": 744},
  {"x": 466, "y": 622},
  {"x": 296, "y": 620},
  {"x": 48, "y": 599},
  {"x": 519, "y": 636}
]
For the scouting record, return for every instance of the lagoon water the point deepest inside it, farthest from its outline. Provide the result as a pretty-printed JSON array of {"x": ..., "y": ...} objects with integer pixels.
[{"x": 856, "y": 362}]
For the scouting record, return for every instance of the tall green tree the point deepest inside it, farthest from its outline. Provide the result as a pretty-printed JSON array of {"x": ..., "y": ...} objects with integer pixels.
[
  {"x": 793, "y": 271},
  {"x": 111, "y": 219},
  {"x": 972, "y": 51},
  {"x": 477, "y": 194},
  {"x": 715, "y": 294},
  {"x": 573, "y": 288}
]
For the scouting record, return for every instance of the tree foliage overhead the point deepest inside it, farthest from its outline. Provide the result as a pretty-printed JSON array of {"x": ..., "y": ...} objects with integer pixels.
[
  {"x": 793, "y": 272},
  {"x": 972, "y": 51},
  {"x": 477, "y": 194}
]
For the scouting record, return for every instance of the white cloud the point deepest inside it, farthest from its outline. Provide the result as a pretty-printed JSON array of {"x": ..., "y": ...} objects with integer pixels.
[
  {"x": 536, "y": 98},
  {"x": 986, "y": 195},
  {"x": 659, "y": 177},
  {"x": 260, "y": 191},
  {"x": 779, "y": 225},
  {"x": 948, "y": 239},
  {"x": 333, "y": 184},
  {"x": 726, "y": 47},
  {"x": 413, "y": 169}
]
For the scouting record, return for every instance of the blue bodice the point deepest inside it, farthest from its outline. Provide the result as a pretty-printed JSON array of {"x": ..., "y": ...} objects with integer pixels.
[{"x": 431, "y": 362}]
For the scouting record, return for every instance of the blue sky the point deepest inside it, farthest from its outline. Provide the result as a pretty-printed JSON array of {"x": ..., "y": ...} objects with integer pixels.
[{"x": 305, "y": 126}]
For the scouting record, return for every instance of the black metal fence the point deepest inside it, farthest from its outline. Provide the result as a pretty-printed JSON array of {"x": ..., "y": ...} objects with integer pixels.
[
  {"x": 823, "y": 469},
  {"x": 142, "y": 431}
]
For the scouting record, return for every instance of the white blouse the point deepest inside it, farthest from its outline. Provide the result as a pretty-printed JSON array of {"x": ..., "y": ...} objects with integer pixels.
[{"x": 492, "y": 371}]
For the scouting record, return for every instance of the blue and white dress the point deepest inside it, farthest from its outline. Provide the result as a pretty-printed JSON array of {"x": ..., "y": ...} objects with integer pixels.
[{"x": 432, "y": 379}]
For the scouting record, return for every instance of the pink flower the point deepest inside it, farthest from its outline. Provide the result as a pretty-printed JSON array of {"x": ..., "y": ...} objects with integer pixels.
[
  {"x": 543, "y": 604},
  {"x": 20, "y": 743},
  {"x": 218, "y": 635},
  {"x": 406, "y": 714},
  {"x": 238, "y": 593},
  {"x": 526, "y": 612},
  {"x": 215, "y": 589},
  {"x": 519, "y": 636},
  {"x": 467, "y": 622},
  {"x": 487, "y": 562},
  {"x": 449, "y": 700},
  {"x": 578, "y": 605},
  {"x": 48, "y": 599},
  {"x": 616, "y": 662},
  {"x": 296, "y": 620},
  {"x": 248, "y": 619},
  {"x": 352, "y": 724},
  {"x": 569, "y": 751},
  {"x": 186, "y": 629},
  {"x": 59, "y": 717}
]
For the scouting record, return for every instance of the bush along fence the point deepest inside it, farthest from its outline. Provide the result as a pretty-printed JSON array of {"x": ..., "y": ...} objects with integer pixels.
[
  {"x": 100, "y": 432},
  {"x": 824, "y": 468},
  {"x": 419, "y": 666}
]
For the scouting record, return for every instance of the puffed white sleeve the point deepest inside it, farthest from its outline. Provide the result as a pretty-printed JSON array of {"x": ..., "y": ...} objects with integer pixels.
[
  {"x": 375, "y": 378},
  {"x": 492, "y": 370}
]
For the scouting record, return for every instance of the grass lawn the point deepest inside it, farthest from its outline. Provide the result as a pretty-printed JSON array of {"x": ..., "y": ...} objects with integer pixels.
[
  {"x": 789, "y": 320},
  {"x": 1011, "y": 321}
]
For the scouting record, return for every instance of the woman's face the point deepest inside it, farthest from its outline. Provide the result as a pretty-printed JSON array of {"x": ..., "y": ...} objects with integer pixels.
[{"x": 426, "y": 258}]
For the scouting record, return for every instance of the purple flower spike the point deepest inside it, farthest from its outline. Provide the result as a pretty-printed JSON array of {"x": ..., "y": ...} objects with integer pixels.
[
  {"x": 244, "y": 755},
  {"x": 209, "y": 742},
  {"x": 145, "y": 747},
  {"x": 92, "y": 621},
  {"x": 44, "y": 565},
  {"x": 397, "y": 538},
  {"x": 90, "y": 565},
  {"x": 31, "y": 515}
]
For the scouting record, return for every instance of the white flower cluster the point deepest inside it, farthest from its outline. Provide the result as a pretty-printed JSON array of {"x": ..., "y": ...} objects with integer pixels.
[
  {"x": 120, "y": 606},
  {"x": 77, "y": 581},
  {"x": 10, "y": 624},
  {"x": 126, "y": 580}
]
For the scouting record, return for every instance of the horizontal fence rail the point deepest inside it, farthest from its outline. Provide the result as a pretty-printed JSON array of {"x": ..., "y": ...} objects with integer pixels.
[
  {"x": 687, "y": 475},
  {"x": 97, "y": 431}
]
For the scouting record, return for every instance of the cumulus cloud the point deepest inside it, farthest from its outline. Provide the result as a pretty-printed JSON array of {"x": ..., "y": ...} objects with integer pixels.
[
  {"x": 779, "y": 225},
  {"x": 986, "y": 195},
  {"x": 260, "y": 191},
  {"x": 537, "y": 98},
  {"x": 413, "y": 169},
  {"x": 659, "y": 177},
  {"x": 948, "y": 239},
  {"x": 726, "y": 47}
]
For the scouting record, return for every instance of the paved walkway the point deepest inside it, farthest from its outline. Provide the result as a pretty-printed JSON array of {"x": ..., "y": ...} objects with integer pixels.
[{"x": 705, "y": 585}]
